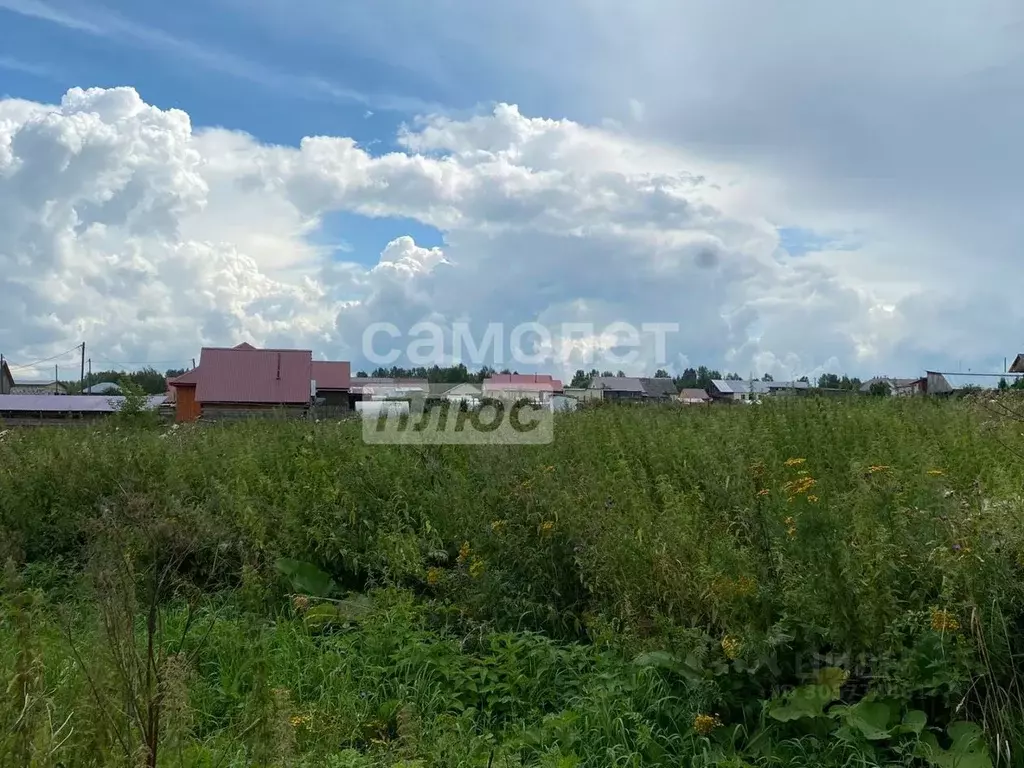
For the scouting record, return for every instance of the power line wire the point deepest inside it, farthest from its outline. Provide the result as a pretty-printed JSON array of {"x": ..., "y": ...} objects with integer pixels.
[{"x": 46, "y": 359}]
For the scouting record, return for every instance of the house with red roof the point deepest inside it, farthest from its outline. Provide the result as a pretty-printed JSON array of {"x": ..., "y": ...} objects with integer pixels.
[
  {"x": 245, "y": 381},
  {"x": 538, "y": 387}
]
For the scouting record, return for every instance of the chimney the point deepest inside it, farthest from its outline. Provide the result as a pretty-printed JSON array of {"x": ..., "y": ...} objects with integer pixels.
[{"x": 278, "y": 366}]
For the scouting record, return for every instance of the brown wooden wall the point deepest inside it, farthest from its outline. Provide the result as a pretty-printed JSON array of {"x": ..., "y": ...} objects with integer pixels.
[{"x": 185, "y": 406}]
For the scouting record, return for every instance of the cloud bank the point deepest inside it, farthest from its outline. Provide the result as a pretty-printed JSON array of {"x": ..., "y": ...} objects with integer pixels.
[{"x": 124, "y": 225}]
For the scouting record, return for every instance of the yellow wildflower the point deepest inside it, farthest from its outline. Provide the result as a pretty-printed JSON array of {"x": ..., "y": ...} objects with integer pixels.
[
  {"x": 705, "y": 724},
  {"x": 791, "y": 531},
  {"x": 433, "y": 576},
  {"x": 464, "y": 552},
  {"x": 789, "y": 521},
  {"x": 746, "y": 586},
  {"x": 812, "y": 498},
  {"x": 944, "y": 621},
  {"x": 300, "y": 603},
  {"x": 731, "y": 647},
  {"x": 547, "y": 526},
  {"x": 299, "y": 720},
  {"x": 549, "y": 468},
  {"x": 794, "y": 462},
  {"x": 936, "y": 472},
  {"x": 497, "y": 525},
  {"x": 877, "y": 468},
  {"x": 476, "y": 568}
]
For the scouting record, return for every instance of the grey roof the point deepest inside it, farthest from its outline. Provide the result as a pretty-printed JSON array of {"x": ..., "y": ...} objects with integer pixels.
[
  {"x": 741, "y": 386},
  {"x": 102, "y": 388},
  {"x": 894, "y": 383},
  {"x": 663, "y": 387},
  {"x": 617, "y": 383},
  {"x": 69, "y": 403}
]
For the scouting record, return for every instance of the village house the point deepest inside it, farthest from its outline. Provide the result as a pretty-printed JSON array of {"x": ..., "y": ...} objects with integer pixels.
[
  {"x": 244, "y": 381},
  {"x": 38, "y": 388},
  {"x": 659, "y": 388},
  {"x": 752, "y": 391},
  {"x": 369, "y": 388},
  {"x": 897, "y": 387},
  {"x": 536, "y": 387},
  {"x": 632, "y": 389},
  {"x": 691, "y": 396},
  {"x": 465, "y": 393},
  {"x": 617, "y": 388}
]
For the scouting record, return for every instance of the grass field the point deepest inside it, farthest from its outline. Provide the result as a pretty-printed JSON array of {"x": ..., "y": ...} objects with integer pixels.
[{"x": 820, "y": 583}]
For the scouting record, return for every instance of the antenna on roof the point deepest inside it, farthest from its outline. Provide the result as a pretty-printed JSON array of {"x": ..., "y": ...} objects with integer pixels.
[{"x": 278, "y": 366}]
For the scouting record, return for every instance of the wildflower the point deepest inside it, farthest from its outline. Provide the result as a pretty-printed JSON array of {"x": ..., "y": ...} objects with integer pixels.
[
  {"x": 794, "y": 462},
  {"x": 299, "y": 720},
  {"x": 877, "y": 468},
  {"x": 549, "y": 468},
  {"x": 799, "y": 486},
  {"x": 300, "y": 603},
  {"x": 476, "y": 568},
  {"x": 789, "y": 521},
  {"x": 464, "y": 552},
  {"x": 746, "y": 586},
  {"x": 497, "y": 525},
  {"x": 763, "y": 492},
  {"x": 813, "y": 499},
  {"x": 547, "y": 526},
  {"x": 936, "y": 472},
  {"x": 433, "y": 576},
  {"x": 944, "y": 621},
  {"x": 791, "y": 531},
  {"x": 705, "y": 724},
  {"x": 731, "y": 647}
]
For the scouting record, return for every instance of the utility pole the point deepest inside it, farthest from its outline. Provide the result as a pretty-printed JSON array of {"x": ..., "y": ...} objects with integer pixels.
[
  {"x": 56, "y": 380},
  {"x": 2, "y": 379},
  {"x": 90, "y": 369},
  {"x": 83, "y": 367}
]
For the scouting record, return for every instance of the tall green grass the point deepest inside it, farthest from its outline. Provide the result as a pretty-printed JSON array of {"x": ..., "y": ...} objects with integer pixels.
[{"x": 581, "y": 602}]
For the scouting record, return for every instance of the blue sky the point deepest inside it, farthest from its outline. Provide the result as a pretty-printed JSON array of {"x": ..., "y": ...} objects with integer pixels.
[{"x": 877, "y": 145}]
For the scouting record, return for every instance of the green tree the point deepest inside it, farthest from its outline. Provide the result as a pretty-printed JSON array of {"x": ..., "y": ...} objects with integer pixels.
[
  {"x": 580, "y": 379},
  {"x": 879, "y": 388}
]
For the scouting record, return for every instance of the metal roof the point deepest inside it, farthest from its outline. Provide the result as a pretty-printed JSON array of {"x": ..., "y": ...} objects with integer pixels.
[
  {"x": 69, "y": 403},
  {"x": 329, "y": 374},
  {"x": 617, "y": 383},
  {"x": 381, "y": 386},
  {"x": 103, "y": 388},
  {"x": 659, "y": 387},
  {"x": 270, "y": 376},
  {"x": 741, "y": 386}
]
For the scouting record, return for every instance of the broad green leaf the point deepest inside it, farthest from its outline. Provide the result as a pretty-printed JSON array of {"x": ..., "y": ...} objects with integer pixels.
[
  {"x": 305, "y": 577},
  {"x": 968, "y": 749},
  {"x": 805, "y": 701},
  {"x": 870, "y": 718},
  {"x": 913, "y": 722}
]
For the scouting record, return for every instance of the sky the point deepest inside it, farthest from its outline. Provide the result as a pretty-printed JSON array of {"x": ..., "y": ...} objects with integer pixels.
[{"x": 797, "y": 187}]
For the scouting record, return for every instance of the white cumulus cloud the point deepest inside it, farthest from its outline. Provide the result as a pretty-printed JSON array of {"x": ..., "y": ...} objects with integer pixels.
[{"x": 124, "y": 225}]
